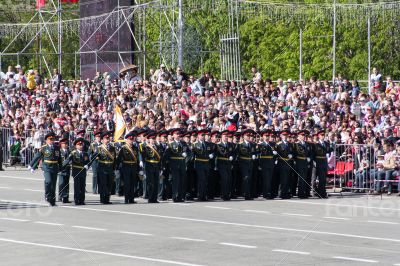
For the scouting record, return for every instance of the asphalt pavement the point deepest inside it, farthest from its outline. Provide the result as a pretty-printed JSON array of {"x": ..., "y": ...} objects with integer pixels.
[{"x": 349, "y": 230}]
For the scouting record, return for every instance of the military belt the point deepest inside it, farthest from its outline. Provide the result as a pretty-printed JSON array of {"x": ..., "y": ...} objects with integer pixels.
[
  {"x": 152, "y": 161},
  {"x": 301, "y": 158},
  {"x": 320, "y": 157},
  {"x": 77, "y": 166},
  {"x": 266, "y": 157},
  {"x": 223, "y": 158},
  {"x": 245, "y": 158},
  {"x": 177, "y": 158},
  {"x": 129, "y": 162},
  {"x": 106, "y": 162},
  {"x": 201, "y": 160},
  {"x": 48, "y": 161}
]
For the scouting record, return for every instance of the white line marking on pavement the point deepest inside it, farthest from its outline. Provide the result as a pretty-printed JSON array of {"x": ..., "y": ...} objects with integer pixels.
[
  {"x": 381, "y": 222},
  {"x": 236, "y": 224},
  {"x": 291, "y": 251},
  {"x": 237, "y": 245},
  {"x": 188, "y": 239},
  {"x": 256, "y": 211},
  {"x": 15, "y": 219},
  {"x": 23, "y": 178},
  {"x": 25, "y": 202},
  {"x": 336, "y": 218},
  {"x": 34, "y": 190},
  {"x": 338, "y": 205},
  {"x": 89, "y": 228},
  {"x": 99, "y": 252},
  {"x": 297, "y": 214},
  {"x": 135, "y": 233},
  {"x": 47, "y": 223},
  {"x": 217, "y": 207},
  {"x": 5, "y": 188},
  {"x": 356, "y": 259}
]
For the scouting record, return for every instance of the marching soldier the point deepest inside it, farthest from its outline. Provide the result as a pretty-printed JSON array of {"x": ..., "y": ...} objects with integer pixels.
[
  {"x": 141, "y": 139},
  {"x": 225, "y": 155},
  {"x": 151, "y": 154},
  {"x": 267, "y": 163},
  {"x": 310, "y": 165},
  {"x": 247, "y": 154},
  {"x": 190, "y": 172},
  {"x": 285, "y": 153},
  {"x": 128, "y": 163},
  {"x": 51, "y": 164},
  {"x": 175, "y": 154},
  {"x": 106, "y": 155},
  {"x": 236, "y": 175},
  {"x": 80, "y": 163},
  {"x": 203, "y": 153},
  {"x": 293, "y": 175},
  {"x": 93, "y": 149},
  {"x": 63, "y": 176},
  {"x": 213, "y": 176},
  {"x": 302, "y": 154},
  {"x": 321, "y": 149},
  {"x": 164, "y": 186}
]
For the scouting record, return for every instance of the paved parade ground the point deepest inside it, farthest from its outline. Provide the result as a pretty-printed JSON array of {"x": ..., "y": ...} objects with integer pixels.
[{"x": 356, "y": 230}]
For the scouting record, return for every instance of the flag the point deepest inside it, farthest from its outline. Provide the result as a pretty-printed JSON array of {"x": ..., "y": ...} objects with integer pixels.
[
  {"x": 69, "y": 1},
  {"x": 40, "y": 4},
  {"x": 119, "y": 123}
]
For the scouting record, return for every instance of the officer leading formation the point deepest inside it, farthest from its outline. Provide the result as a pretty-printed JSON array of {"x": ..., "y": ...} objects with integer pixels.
[{"x": 187, "y": 165}]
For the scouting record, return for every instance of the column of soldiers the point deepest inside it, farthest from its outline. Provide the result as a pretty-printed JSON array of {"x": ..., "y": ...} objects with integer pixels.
[{"x": 186, "y": 165}]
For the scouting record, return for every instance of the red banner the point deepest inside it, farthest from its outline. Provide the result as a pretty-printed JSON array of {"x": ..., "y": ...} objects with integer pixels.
[
  {"x": 70, "y": 1},
  {"x": 40, "y": 4}
]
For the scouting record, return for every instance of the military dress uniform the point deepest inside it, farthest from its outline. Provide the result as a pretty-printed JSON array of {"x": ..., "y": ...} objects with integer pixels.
[
  {"x": 175, "y": 155},
  {"x": 246, "y": 154},
  {"x": 63, "y": 176},
  {"x": 267, "y": 165},
  {"x": 285, "y": 152},
  {"x": 302, "y": 154},
  {"x": 128, "y": 162},
  {"x": 151, "y": 155},
  {"x": 202, "y": 152},
  {"x": 51, "y": 156},
  {"x": 80, "y": 162},
  {"x": 164, "y": 184},
  {"x": 321, "y": 149},
  {"x": 213, "y": 189},
  {"x": 93, "y": 149},
  {"x": 106, "y": 156},
  {"x": 191, "y": 174},
  {"x": 225, "y": 155}
]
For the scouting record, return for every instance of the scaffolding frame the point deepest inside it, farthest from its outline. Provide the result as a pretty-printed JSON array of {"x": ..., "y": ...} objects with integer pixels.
[{"x": 140, "y": 12}]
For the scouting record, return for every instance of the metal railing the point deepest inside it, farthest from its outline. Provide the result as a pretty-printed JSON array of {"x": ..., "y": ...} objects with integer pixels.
[{"x": 353, "y": 165}]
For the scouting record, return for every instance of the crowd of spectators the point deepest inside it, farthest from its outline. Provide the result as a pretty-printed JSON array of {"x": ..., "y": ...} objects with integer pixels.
[{"x": 167, "y": 98}]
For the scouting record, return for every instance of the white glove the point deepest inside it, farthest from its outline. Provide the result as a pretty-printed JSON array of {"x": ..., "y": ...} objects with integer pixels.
[
  {"x": 140, "y": 172},
  {"x": 274, "y": 153},
  {"x": 253, "y": 157},
  {"x": 161, "y": 173},
  {"x": 308, "y": 159},
  {"x": 290, "y": 156},
  {"x": 32, "y": 170},
  {"x": 29, "y": 167},
  {"x": 211, "y": 155},
  {"x": 230, "y": 158},
  {"x": 184, "y": 155},
  {"x": 315, "y": 164},
  {"x": 141, "y": 165},
  {"x": 215, "y": 168},
  {"x": 259, "y": 168},
  {"x": 276, "y": 162},
  {"x": 86, "y": 167}
]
